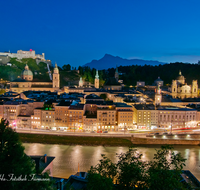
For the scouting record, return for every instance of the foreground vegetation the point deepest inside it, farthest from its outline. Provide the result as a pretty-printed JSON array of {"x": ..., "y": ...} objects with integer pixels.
[
  {"x": 131, "y": 172},
  {"x": 17, "y": 170},
  {"x": 74, "y": 140}
]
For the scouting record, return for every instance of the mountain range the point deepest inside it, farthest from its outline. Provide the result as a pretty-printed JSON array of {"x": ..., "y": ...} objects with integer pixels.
[{"x": 110, "y": 61}]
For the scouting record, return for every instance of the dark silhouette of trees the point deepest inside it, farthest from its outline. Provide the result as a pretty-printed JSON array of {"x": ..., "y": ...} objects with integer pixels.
[
  {"x": 131, "y": 172},
  {"x": 15, "y": 163},
  {"x": 66, "y": 67}
]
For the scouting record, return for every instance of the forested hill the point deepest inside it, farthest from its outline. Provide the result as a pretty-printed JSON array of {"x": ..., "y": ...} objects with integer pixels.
[
  {"x": 13, "y": 72},
  {"x": 129, "y": 74},
  {"x": 40, "y": 71},
  {"x": 167, "y": 72}
]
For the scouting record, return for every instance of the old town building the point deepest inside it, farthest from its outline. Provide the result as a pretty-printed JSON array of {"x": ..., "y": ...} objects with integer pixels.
[
  {"x": 181, "y": 89},
  {"x": 27, "y": 82}
]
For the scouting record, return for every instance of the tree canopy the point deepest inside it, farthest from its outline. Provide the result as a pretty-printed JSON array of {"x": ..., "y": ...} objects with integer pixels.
[
  {"x": 16, "y": 164},
  {"x": 131, "y": 172}
]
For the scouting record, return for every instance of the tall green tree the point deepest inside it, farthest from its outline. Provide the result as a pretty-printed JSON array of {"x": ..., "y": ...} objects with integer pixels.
[
  {"x": 131, "y": 172},
  {"x": 15, "y": 164},
  {"x": 66, "y": 67},
  {"x": 165, "y": 170}
]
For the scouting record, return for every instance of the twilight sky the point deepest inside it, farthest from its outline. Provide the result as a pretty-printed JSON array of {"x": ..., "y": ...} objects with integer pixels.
[{"x": 78, "y": 31}]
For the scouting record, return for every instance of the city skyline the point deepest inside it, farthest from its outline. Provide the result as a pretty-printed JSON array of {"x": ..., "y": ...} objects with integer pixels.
[{"x": 77, "y": 32}]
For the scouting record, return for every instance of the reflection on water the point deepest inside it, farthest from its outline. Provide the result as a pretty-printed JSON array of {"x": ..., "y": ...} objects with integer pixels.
[{"x": 67, "y": 157}]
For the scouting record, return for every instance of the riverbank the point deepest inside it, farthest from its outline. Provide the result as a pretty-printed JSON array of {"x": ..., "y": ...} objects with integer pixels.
[
  {"x": 161, "y": 141},
  {"x": 75, "y": 140},
  {"x": 103, "y": 140}
]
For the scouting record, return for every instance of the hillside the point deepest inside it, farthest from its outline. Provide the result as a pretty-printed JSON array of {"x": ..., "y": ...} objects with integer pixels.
[
  {"x": 40, "y": 71},
  {"x": 110, "y": 61},
  {"x": 167, "y": 72},
  {"x": 68, "y": 78}
]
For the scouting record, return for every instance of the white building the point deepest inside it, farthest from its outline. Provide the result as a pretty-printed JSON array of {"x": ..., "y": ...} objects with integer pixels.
[
  {"x": 182, "y": 90},
  {"x": 140, "y": 83},
  {"x": 24, "y": 54}
]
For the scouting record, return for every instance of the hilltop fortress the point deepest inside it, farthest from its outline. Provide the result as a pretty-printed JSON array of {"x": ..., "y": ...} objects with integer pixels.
[{"x": 24, "y": 54}]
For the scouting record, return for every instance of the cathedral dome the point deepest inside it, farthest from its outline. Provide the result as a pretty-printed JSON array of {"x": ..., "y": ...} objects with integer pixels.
[
  {"x": 27, "y": 72},
  {"x": 180, "y": 77}
]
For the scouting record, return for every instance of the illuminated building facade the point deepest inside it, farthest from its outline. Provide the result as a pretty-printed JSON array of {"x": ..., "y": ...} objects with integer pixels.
[
  {"x": 24, "y": 54},
  {"x": 27, "y": 82},
  {"x": 182, "y": 90}
]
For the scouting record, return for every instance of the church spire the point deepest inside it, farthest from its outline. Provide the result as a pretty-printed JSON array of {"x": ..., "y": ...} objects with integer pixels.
[
  {"x": 26, "y": 67},
  {"x": 180, "y": 72},
  {"x": 116, "y": 73},
  {"x": 97, "y": 75}
]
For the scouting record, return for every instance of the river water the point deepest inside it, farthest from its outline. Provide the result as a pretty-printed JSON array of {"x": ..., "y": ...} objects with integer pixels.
[{"x": 68, "y": 157}]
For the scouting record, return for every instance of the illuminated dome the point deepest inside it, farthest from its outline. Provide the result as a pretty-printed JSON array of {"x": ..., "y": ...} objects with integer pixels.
[
  {"x": 27, "y": 74},
  {"x": 180, "y": 77}
]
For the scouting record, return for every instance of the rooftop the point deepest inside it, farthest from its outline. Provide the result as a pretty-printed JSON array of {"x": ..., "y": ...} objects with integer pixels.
[
  {"x": 64, "y": 103},
  {"x": 41, "y": 163},
  {"x": 119, "y": 104},
  {"x": 93, "y": 96},
  {"x": 76, "y": 107},
  {"x": 111, "y": 82},
  {"x": 173, "y": 108}
]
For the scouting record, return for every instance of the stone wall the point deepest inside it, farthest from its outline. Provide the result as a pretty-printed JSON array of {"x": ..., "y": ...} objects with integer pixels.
[{"x": 147, "y": 141}]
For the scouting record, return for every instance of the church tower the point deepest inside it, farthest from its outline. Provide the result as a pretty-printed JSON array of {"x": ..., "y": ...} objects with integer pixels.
[
  {"x": 158, "y": 96},
  {"x": 56, "y": 78},
  {"x": 81, "y": 82},
  {"x": 174, "y": 86},
  {"x": 96, "y": 80},
  {"x": 194, "y": 87},
  {"x": 116, "y": 74}
]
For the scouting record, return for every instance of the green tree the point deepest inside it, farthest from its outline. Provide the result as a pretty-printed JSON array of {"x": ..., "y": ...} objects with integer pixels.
[
  {"x": 131, "y": 172},
  {"x": 102, "y": 175},
  {"x": 164, "y": 171},
  {"x": 15, "y": 163},
  {"x": 2, "y": 91},
  {"x": 104, "y": 96},
  {"x": 80, "y": 70},
  {"x": 66, "y": 67}
]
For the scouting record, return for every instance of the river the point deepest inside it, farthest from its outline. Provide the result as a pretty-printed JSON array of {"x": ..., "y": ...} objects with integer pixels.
[{"x": 68, "y": 157}]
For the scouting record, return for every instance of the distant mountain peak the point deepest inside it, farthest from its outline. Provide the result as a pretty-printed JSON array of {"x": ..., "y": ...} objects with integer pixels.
[{"x": 110, "y": 61}]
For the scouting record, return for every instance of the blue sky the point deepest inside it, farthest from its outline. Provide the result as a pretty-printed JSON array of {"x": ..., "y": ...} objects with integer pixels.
[{"x": 78, "y": 31}]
